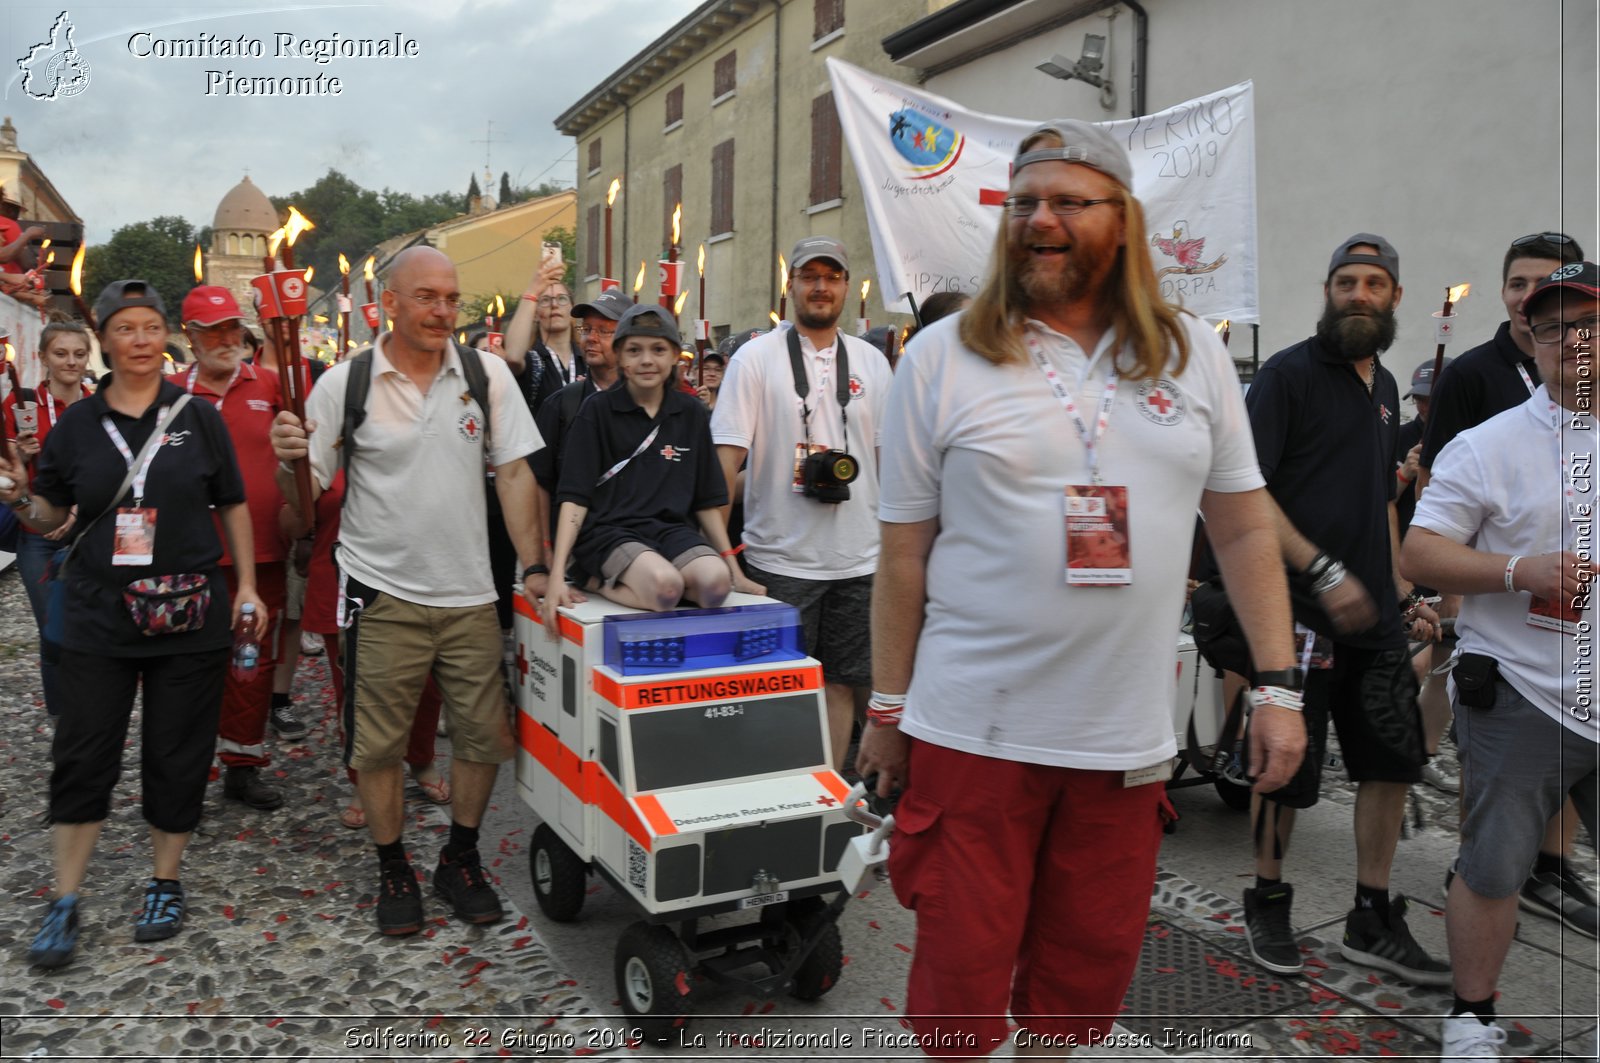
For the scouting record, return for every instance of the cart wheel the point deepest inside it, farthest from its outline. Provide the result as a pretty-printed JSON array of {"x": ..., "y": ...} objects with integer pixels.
[
  {"x": 653, "y": 980},
  {"x": 822, "y": 966},
  {"x": 1233, "y": 795},
  {"x": 560, "y": 879}
]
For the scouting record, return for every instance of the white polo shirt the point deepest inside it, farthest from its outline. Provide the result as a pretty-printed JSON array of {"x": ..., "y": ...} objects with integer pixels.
[
  {"x": 1012, "y": 662},
  {"x": 1501, "y": 488},
  {"x": 758, "y": 409},
  {"x": 415, "y": 517}
]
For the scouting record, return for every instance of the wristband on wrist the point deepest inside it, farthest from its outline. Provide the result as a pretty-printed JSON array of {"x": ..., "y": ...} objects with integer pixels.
[
  {"x": 1279, "y": 697},
  {"x": 885, "y": 709},
  {"x": 535, "y": 570},
  {"x": 1325, "y": 573},
  {"x": 730, "y": 553},
  {"x": 1288, "y": 678},
  {"x": 1511, "y": 568}
]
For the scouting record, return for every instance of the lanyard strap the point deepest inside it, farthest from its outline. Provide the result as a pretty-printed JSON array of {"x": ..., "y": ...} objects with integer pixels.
[
  {"x": 1527, "y": 381},
  {"x": 1091, "y": 438},
  {"x": 194, "y": 371},
  {"x": 640, "y": 449},
  {"x": 802, "y": 383},
  {"x": 146, "y": 455}
]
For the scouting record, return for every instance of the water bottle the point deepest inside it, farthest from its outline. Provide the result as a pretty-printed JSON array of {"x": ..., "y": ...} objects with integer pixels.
[{"x": 246, "y": 644}]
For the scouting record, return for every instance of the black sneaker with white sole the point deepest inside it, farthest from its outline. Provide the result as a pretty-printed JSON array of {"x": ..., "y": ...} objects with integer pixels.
[
  {"x": 1266, "y": 926},
  {"x": 1372, "y": 941},
  {"x": 1560, "y": 895},
  {"x": 286, "y": 723}
]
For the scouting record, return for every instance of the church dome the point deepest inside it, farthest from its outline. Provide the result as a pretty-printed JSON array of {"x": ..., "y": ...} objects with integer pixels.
[{"x": 245, "y": 209}]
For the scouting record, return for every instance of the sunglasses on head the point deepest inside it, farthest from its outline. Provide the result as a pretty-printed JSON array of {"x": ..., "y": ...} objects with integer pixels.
[{"x": 1534, "y": 238}]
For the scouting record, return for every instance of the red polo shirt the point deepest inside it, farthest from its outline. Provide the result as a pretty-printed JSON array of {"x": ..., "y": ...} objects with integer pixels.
[
  {"x": 10, "y": 232},
  {"x": 248, "y": 407},
  {"x": 48, "y": 413}
]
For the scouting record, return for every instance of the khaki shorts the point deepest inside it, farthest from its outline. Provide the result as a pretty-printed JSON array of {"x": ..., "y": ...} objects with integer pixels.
[{"x": 389, "y": 653}]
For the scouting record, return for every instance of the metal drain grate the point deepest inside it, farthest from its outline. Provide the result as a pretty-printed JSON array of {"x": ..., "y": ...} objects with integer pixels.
[{"x": 1184, "y": 988}]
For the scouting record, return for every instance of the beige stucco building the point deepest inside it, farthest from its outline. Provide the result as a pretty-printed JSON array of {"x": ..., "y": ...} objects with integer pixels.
[{"x": 731, "y": 112}]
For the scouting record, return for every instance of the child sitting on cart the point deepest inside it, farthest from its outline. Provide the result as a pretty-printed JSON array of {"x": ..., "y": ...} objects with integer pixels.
[{"x": 638, "y": 473}]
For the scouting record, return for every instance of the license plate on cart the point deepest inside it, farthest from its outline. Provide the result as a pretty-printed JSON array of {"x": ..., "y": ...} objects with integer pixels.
[{"x": 763, "y": 899}]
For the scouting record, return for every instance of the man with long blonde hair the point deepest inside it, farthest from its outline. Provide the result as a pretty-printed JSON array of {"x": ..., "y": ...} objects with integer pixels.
[{"x": 1024, "y": 693}]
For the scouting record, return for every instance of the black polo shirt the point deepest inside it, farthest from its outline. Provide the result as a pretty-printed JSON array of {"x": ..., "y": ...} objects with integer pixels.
[
  {"x": 1475, "y": 387},
  {"x": 1327, "y": 451},
  {"x": 194, "y": 471},
  {"x": 670, "y": 481}
]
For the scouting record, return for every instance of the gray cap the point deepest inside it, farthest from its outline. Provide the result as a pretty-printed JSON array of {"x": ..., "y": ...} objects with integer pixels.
[
  {"x": 647, "y": 319},
  {"x": 611, "y": 303},
  {"x": 1422, "y": 379},
  {"x": 813, "y": 247},
  {"x": 125, "y": 295},
  {"x": 1084, "y": 143},
  {"x": 1387, "y": 257}
]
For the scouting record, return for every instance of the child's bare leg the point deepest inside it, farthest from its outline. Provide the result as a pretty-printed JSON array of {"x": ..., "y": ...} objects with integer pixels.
[
  {"x": 706, "y": 582},
  {"x": 649, "y": 583}
]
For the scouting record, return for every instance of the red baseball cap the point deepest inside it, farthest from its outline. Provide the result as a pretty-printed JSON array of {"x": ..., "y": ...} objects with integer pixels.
[{"x": 210, "y": 304}]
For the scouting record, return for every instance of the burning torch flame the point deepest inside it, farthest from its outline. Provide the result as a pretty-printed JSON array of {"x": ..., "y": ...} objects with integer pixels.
[
  {"x": 1458, "y": 293},
  {"x": 1222, "y": 326},
  {"x": 366, "y": 271},
  {"x": 309, "y": 271},
  {"x": 611, "y": 193},
  {"x": 783, "y": 271},
  {"x": 677, "y": 216},
  {"x": 49, "y": 257},
  {"x": 638, "y": 282},
  {"x": 321, "y": 319},
  {"x": 77, "y": 270},
  {"x": 273, "y": 241},
  {"x": 344, "y": 264},
  {"x": 297, "y": 224},
  {"x": 773, "y": 314},
  {"x": 199, "y": 266},
  {"x": 677, "y": 304},
  {"x": 44, "y": 243},
  {"x": 866, "y": 286},
  {"x": 499, "y": 307},
  {"x": 461, "y": 336},
  {"x": 701, "y": 262}
]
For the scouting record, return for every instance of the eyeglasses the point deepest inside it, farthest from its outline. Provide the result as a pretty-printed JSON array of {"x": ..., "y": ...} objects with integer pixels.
[
  {"x": 1555, "y": 331},
  {"x": 811, "y": 280},
  {"x": 429, "y": 300},
  {"x": 555, "y": 300},
  {"x": 597, "y": 333},
  {"x": 1066, "y": 206},
  {"x": 1549, "y": 238}
]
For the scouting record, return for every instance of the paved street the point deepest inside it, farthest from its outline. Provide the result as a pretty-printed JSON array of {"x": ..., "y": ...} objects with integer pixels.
[{"x": 281, "y": 958}]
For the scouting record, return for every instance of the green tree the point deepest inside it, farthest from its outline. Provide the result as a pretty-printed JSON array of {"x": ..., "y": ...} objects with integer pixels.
[
  {"x": 473, "y": 192},
  {"x": 354, "y": 220},
  {"x": 507, "y": 197},
  {"x": 568, "y": 239},
  {"x": 159, "y": 251}
]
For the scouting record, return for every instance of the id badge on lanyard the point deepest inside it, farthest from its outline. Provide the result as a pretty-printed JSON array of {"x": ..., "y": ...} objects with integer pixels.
[
  {"x": 1099, "y": 548},
  {"x": 134, "y": 539}
]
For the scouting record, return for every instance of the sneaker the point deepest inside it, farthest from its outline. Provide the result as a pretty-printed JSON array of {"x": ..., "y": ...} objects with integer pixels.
[
  {"x": 58, "y": 934},
  {"x": 310, "y": 645},
  {"x": 286, "y": 724},
  {"x": 1266, "y": 926},
  {"x": 247, "y": 786},
  {"x": 1370, "y": 941},
  {"x": 1464, "y": 1037},
  {"x": 1440, "y": 777},
  {"x": 463, "y": 884},
  {"x": 399, "y": 899},
  {"x": 163, "y": 912},
  {"x": 1560, "y": 895}
]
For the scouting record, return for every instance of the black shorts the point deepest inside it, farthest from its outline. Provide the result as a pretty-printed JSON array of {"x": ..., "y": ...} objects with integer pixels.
[
  {"x": 837, "y": 617},
  {"x": 1371, "y": 696},
  {"x": 597, "y": 542}
]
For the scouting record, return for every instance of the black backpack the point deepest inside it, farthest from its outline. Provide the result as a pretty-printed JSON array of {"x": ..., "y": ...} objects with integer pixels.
[{"x": 360, "y": 383}]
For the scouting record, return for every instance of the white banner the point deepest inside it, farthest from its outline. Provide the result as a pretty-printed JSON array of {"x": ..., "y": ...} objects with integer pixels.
[{"x": 934, "y": 176}]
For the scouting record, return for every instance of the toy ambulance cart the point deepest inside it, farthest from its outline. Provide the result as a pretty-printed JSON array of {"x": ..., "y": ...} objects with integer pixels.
[{"x": 683, "y": 757}]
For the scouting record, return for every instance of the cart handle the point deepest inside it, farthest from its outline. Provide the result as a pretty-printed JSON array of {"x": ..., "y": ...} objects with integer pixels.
[{"x": 855, "y": 807}]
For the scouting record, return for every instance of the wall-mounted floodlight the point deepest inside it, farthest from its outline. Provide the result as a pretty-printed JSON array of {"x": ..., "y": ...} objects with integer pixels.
[{"x": 1086, "y": 68}]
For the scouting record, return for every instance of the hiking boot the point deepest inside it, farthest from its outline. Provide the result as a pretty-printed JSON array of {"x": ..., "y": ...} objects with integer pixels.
[
  {"x": 1266, "y": 927},
  {"x": 1388, "y": 945},
  {"x": 1560, "y": 895},
  {"x": 58, "y": 934},
  {"x": 287, "y": 724},
  {"x": 163, "y": 912},
  {"x": 463, "y": 884},
  {"x": 247, "y": 786},
  {"x": 1464, "y": 1037},
  {"x": 399, "y": 899}
]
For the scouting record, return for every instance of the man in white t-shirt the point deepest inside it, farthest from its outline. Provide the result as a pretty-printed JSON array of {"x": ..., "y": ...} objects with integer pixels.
[
  {"x": 414, "y": 565},
  {"x": 1045, "y": 452},
  {"x": 1508, "y": 521},
  {"x": 810, "y": 540}
]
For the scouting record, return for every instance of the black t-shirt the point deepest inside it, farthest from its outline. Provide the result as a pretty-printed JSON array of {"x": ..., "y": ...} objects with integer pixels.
[
  {"x": 663, "y": 486},
  {"x": 542, "y": 375},
  {"x": 1327, "y": 451},
  {"x": 192, "y": 472},
  {"x": 1475, "y": 387},
  {"x": 554, "y": 425}
]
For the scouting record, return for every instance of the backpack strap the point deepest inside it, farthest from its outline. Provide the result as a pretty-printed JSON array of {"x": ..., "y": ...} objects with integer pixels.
[
  {"x": 355, "y": 408},
  {"x": 477, "y": 381}
]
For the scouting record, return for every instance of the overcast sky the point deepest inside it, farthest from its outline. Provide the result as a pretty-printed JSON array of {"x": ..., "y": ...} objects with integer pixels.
[{"x": 143, "y": 138}]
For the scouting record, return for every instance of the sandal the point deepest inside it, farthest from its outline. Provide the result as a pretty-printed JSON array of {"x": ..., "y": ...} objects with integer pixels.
[
  {"x": 354, "y": 817},
  {"x": 437, "y": 791}
]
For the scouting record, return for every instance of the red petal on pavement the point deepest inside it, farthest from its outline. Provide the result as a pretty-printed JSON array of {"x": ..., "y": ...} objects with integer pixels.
[
  {"x": 158, "y": 959},
  {"x": 470, "y": 981},
  {"x": 282, "y": 917},
  {"x": 325, "y": 915},
  {"x": 227, "y": 911},
  {"x": 1374, "y": 979},
  {"x": 1523, "y": 1029},
  {"x": 1234, "y": 929},
  {"x": 1166, "y": 970},
  {"x": 768, "y": 1006},
  {"x": 568, "y": 981},
  {"x": 873, "y": 923},
  {"x": 274, "y": 1022},
  {"x": 522, "y": 924},
  {"x": 901, "y": 947},
  {"x": 449, "y": 958},
  {"x": 434, "y": 1022},
  {"x": 521, "y": 942},
  {"x": 682, "y": 982},
  {"x": 1319, "y": 994},
  {"x": 1390, "y": 1004},
  {"x": 56, "y": 1002},
  {"x": 269, "y": 935},
  {"x": 480, "y": 965},
  {"x": 886, "y": 1002}
]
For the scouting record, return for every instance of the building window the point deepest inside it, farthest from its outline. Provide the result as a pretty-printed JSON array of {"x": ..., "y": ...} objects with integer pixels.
[
  {"x": 591, "y": 242},
  {"x": 725, "y": 76},
  {"x": 674, "y": 106},
  {"x": 722, "y": 188},
  {"x": 594, "y": 156},
  {"x": 671, "y": 196},
  {"x": 825, "y": 154},
  {"x": 827, "y": 17}
]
